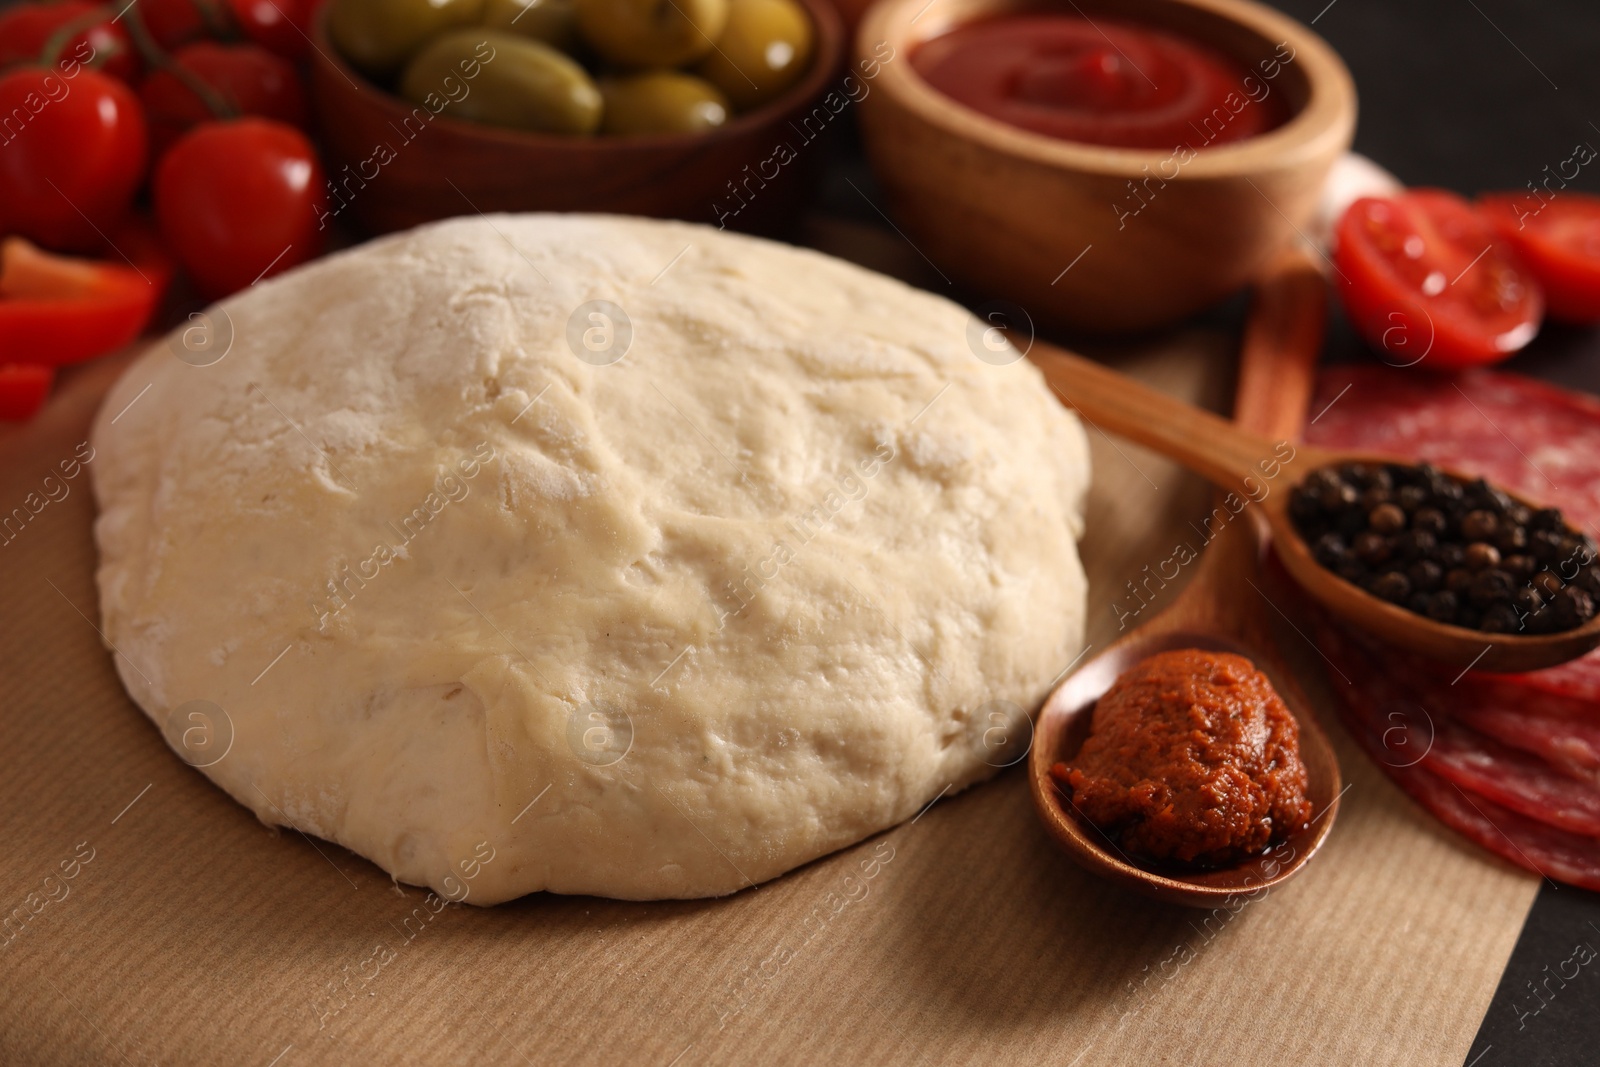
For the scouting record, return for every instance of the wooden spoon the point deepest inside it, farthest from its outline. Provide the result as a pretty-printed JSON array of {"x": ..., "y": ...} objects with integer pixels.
[
  {"x": 1218, "y": 611},
  {"x": 1253, "y": 467}
]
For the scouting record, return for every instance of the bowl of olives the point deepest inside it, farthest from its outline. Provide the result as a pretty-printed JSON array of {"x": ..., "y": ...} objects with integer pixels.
[{"x": 695, "y": 109}]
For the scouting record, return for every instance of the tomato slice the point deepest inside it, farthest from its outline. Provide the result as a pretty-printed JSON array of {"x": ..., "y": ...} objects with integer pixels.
[
  {"x": 1426, "y": 280},
  {"x": 1559, "y": 240},
  {"x": 23, "y": 389}
]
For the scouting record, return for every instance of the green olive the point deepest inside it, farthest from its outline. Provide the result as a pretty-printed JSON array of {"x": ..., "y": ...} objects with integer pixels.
[
  {"x": 378, "y": 36},
  {"x": 763, "y": 49},
  {"x": 662, "y": 101},
  {"x": 552, "y": 21},
  {"x": 651, "y": 33},
  {"x": 501, "y": 79}
]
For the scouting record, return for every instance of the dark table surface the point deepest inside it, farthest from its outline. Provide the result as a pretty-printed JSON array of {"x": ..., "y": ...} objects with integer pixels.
[{"x": 1474, "y": 96}]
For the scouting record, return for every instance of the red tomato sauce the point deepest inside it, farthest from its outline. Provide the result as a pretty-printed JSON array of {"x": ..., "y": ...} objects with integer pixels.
[
  {"x": 1192, "y": 759},
  {"x": 1104, "y": 82}
]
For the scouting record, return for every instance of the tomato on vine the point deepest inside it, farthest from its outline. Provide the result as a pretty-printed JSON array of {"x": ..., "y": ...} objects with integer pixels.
[
  {"x": 240, "y": 200},
  {"x": 84, "y": 32},
  {"x": 245, "y": 78},
  {"x": 69, "y": 171}
]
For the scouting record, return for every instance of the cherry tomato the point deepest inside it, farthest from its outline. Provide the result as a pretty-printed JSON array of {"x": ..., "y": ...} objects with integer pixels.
[
  {"x": 238, "y": 201},
  {"x": 1423, "y": 277},
  {"x": 173, "y": 23},
  {"x": 27, "y": 30},
  {"x": 251, "y": 80},
  {"x": 1559, "y": 241},
  {"x": 23, "y": 389},
  {"x": 68, "y": 172},
  {"x": 280, "y": 26}
]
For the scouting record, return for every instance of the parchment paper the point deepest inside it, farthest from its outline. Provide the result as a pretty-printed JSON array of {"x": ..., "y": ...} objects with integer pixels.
[{"x": 189, "y": 933}]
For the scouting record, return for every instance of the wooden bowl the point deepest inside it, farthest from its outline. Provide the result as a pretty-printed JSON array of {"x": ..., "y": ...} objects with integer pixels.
[
  {"x": 1006, "y": 212},
  {"x": 393, "y": 165}
]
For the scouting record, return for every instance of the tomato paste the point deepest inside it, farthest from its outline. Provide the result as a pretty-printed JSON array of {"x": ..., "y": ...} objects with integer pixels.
[{"x": 1192, "y": 758}]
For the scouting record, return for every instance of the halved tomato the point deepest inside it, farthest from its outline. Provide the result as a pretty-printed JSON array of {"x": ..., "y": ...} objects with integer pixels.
[
  {"x": 1425, "y": 278},
  {"x": 1559, "y": 240}
]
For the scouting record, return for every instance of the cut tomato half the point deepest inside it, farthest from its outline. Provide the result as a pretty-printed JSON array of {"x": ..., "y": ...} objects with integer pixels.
[
  {"x": 1559, "y": 240},
  {"x": 1426, "y": 280}
]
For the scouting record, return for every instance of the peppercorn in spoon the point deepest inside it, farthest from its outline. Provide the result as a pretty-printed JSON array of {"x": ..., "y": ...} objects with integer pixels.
[{"x": 1438, "y": 563}]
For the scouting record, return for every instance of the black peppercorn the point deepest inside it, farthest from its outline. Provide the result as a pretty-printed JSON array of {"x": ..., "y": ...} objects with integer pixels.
[
  {"x": 1479, "y": 526},
  {"x": 1373, "y": 496},
  {"x": 1386, "y": 519},
  {"x": 1392, "y": 586},
  {"x": 1572, "y": 554},
  {"x": 1548, "y": 583},
  {"x": 1321, "y": 478},
  {"x": 1329, "y": 549},
  {"x": 1589, "y": 580},
  {"x": 1520, "y": 567},
  {"x": 1451, "y": 554},
  {"x": 1425, "y": 574},
  {"x": 1372, "y": 548},
  {"x": 1545, "y": 546},
  {"x": 1458, "y": 580},
  {"x": 1443, "y": 606},
  {"x": 1448, "y": 495},
  {"x": 1431, "y": 520},
  {"x": 1414, "y": 544},
  {"x": 1546, "y": 519},
  {"x": 1480, "y": 555},
  {"x": 1572, "y": 607},
  {"x": 1527, "y": 601},
  {"x": 1411, "y": 497},
  {"x": 1337, "y": 496},
  {"x": 1491, "y": 587},
  {"x": 1511, "y": 539},
  {"x": 1500, "y": 619},
  {"x": 1351, "y": 569}
]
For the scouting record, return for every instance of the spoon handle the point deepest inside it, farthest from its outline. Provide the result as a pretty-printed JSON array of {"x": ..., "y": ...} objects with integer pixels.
[
  {"x": 1211, "y": 446},
  {"x": 1282, "y": 342}
]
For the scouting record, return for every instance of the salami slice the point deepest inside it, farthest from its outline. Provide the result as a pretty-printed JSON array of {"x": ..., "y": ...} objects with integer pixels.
[
  {"x": 1543, "y": 849},
  {"x": 1530, "y": 437},
  {"x": 1516, "y": 780},
  {"x": 1555, "y": 728},
  {"x": 1384, "y": 719}
]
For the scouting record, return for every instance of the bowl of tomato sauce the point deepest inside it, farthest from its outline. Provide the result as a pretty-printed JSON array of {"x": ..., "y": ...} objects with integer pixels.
[{"x": 1109, "y": 166}]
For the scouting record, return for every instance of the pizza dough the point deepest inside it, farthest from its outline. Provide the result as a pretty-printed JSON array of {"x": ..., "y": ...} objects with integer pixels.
[{"x": 588, "y": 554}]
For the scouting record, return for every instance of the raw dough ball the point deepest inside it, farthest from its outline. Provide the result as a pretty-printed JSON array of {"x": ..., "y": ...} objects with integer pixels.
[{"x": 466, "y": 584}]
